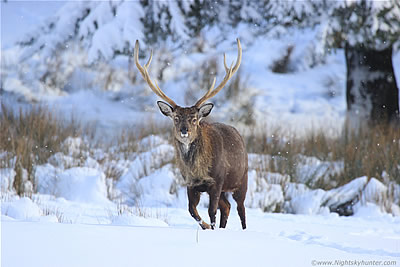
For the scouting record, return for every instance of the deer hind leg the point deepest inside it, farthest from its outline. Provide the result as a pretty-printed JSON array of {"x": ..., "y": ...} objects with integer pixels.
[
  {"x": 224, "y": 207},
  {"x": 239, "y": 196},
  {"x": 194, "y": 198}
]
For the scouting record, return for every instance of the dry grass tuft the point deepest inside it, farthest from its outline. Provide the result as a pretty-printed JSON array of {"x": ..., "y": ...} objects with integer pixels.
[
  {"x": 372, "y": 152},
  {"x": 30, "y": 138}
]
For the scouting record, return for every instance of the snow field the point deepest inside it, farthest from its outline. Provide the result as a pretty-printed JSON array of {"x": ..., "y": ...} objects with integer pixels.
[
  {"x": 54, "y": 231},
  {"x": 271, "y": 239}
]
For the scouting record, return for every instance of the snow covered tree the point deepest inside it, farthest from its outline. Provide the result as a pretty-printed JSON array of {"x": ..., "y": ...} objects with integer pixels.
[
  {"x": 368, "y": 30},
  {"x": 97, "y": 32},
  {"x": 165, "y": 19},
  {"x": 109, "y": 28},
  {"x": 256, "y": 13},
  {"x": 202, "y": 13},
  {"x": 104, "y": 29}
]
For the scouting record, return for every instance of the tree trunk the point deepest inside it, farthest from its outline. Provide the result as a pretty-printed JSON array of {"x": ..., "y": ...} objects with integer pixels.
[{"x": 371, "y": 89}]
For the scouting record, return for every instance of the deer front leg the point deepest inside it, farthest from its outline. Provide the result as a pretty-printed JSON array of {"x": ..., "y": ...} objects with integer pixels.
[{"x": 194, "y": 198}]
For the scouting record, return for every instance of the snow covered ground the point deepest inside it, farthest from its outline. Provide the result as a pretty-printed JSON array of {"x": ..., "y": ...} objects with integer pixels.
[
  {"x": 71, "y": 222},
  {"x": 96, "y": 235}
]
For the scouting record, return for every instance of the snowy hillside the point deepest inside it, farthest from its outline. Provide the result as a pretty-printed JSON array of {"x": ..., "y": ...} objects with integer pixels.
[{"x": 310, "y": 95}]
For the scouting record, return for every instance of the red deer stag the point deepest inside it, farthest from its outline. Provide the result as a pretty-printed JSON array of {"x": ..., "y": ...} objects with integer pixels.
[{"x": 211, "y": 156}]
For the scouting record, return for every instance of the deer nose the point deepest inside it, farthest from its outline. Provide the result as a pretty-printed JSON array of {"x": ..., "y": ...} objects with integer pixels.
[{"x": 184, "y": 132}]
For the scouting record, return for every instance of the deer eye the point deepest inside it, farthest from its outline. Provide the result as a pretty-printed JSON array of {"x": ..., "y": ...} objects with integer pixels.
[
  {"x": 194, "y": 120},
  {"x": 176, "y": 119}
]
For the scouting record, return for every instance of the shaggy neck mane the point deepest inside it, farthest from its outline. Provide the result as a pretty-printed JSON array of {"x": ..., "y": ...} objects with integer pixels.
[
  {"x": 195, "y": 160},
  {"x": 190, "y": 152}
]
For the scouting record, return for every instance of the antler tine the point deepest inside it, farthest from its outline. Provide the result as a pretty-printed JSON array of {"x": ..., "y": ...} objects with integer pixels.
[
  {"x": 145, "y": 74},
  {"x": 150, "y": 58},
  {"x": 229, "y": 73},
  {"x": 226, "y": 67}
]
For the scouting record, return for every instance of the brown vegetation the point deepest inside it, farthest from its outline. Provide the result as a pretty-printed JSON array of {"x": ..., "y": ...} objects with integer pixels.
[
  {"x": 372, "y": 152},
  {"x": 30, "y": 138}
]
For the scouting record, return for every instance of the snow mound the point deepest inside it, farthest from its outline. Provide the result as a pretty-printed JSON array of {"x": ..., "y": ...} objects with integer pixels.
[
  {"x": 375, "y": 192},
  {"x": 22, "y": 209},
  {"x": 309, "y": 203},
  {"x": 148, "y": 173},
  {"x": 133, "y": 220},
  {"x": 263, "y": 194},
  {"x": 82, "y": 184},
  {"x": 368, "y": 210},
  {"x": 347, "y": 192}
]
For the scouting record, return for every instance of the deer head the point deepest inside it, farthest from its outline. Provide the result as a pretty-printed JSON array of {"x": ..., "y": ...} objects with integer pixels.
[{"x": 186, "y": 119}]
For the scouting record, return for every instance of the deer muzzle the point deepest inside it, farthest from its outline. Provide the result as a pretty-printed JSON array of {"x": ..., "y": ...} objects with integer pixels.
[{"x": 184, "y": 132}]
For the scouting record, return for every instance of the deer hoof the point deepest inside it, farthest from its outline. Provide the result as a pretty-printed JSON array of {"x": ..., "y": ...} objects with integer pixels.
[{"x": 204, "y": 225}]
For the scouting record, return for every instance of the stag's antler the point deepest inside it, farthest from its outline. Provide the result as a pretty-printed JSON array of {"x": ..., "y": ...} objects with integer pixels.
[
  {"x": 229, "y": 73},
  {"x": 145, "y": 74}
]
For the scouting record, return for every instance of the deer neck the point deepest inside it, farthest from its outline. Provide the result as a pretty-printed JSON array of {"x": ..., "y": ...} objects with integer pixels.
[
  {"x": 184, "y": 148},
  {"x": 194, "y": 160},
  {"x": 189, "y": 151},
  {"x": 198, "y": 152}
]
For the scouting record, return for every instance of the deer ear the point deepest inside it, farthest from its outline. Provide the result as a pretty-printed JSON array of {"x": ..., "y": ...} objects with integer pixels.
[
  {"x": 205, "y": 110},
  {"x": 165, "y": 109}
]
